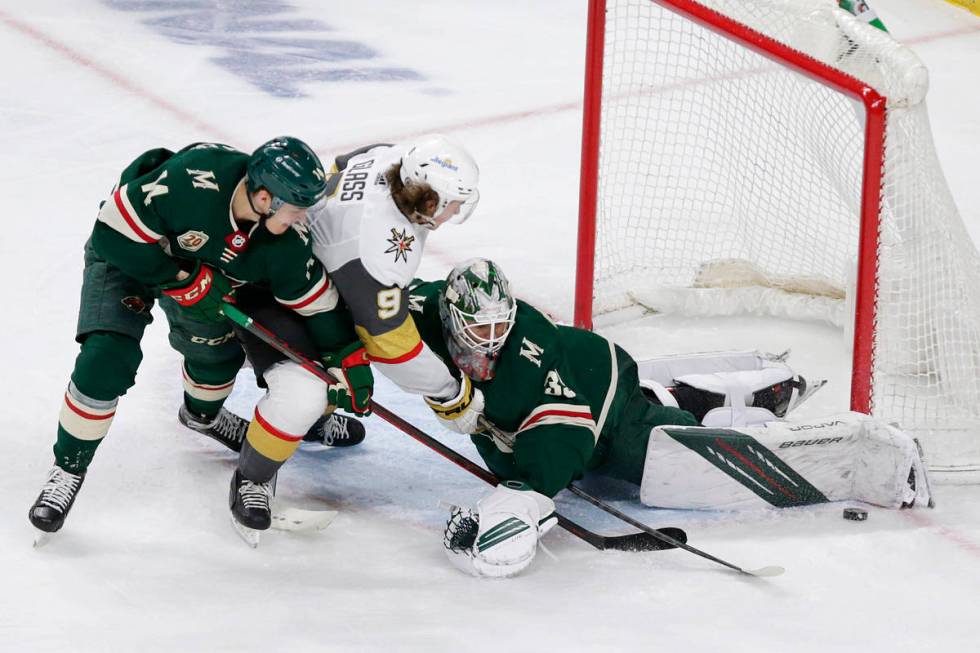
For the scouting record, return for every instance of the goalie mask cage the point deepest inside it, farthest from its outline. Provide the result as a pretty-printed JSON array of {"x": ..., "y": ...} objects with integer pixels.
[{"x": 775, "y": 157}]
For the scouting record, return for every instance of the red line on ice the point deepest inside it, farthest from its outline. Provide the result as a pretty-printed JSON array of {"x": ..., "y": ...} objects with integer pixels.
[
  {"x": 107, "y": 74},
  {"x": 957, "y": 538}
]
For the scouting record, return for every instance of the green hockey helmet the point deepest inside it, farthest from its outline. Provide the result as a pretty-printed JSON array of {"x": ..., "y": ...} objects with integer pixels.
[
  {"x": 477, "y": 310},
  {"x": 289, "y": 170}
]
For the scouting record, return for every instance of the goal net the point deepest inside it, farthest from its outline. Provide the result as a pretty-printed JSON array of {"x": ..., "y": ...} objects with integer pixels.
[{"x": 774, "y": 157}]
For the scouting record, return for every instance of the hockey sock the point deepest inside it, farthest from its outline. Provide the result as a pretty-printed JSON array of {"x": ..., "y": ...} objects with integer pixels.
[
  {"x": 207, "y": 386},
  {"x": 82, "y": 424},
  {"x": 265, "y": 449},
  {"x": 104, "y": 370}
]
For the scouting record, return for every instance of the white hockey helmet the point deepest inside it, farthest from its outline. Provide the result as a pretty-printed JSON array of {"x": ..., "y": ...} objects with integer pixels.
[{"x": 448, "y": 168}]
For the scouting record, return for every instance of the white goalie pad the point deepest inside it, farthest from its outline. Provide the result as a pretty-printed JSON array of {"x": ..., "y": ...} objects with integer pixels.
[
  {"x": 665, "y": 369},
  {"x": 735, "y": 375},
  {"x": 849, "y": 456}
]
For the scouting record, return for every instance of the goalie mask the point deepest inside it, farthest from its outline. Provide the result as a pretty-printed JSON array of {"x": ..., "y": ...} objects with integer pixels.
[
  {"x": 447, "y": 167},
  {"x": 477, "y": 311}
]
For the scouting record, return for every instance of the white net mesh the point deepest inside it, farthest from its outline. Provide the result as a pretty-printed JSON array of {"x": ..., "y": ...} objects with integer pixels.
[{"x": 728, "y": 182}]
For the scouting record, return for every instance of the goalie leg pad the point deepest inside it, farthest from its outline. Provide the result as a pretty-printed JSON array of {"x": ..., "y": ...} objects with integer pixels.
[
  {"x": 849, "y": 456},
  {"x": 660, "y": 392},
  {"x": 750, "y": 397}
]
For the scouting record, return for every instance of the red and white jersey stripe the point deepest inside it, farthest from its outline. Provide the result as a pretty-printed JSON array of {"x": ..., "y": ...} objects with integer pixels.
[
  {"x": 84, "y": 417},
  {"x": 322, "y": 297},
  {"x": 561, "y": 414},
  {"x": 118, "y": 213},
  {"x": 205, "y": 391}
]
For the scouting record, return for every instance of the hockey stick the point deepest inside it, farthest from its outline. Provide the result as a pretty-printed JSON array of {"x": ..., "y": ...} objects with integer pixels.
[
  {"x": 772, "y": 570},
  {"x": 662, "y": 534},
  {"x": 642, "y": 541}
]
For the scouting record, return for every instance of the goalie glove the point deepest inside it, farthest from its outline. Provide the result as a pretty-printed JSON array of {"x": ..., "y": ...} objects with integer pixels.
[
  {"x": 462, "y": 412},
  {"x": 500, "y": 538},
  {"x": 201, "y": 294},
  {"x": 355, "y": 382}
]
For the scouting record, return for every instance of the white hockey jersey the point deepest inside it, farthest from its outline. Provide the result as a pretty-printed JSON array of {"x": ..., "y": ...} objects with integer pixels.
[{"x": 371, "y": 252}]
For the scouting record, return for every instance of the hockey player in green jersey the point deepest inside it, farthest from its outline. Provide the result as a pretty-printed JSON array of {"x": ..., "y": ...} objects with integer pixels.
[
  {"x": 561, "y": 401},
  {"x": 183, "y": 228}
]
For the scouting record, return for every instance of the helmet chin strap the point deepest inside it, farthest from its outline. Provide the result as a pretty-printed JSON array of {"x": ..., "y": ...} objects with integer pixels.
[{"x": 262, "y": 216}]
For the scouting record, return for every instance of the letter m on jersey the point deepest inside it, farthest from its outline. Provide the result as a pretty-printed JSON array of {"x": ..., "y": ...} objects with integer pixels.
[
  {"x": 531, "y": 351},
  {"x": 203, "y": 179}
]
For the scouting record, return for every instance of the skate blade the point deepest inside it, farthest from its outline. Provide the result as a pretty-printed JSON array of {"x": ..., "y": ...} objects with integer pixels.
[
  {"x": 249, "y": 535},
  {"x": 298, "y": 520},
  {"x": 41, "y": 538}
]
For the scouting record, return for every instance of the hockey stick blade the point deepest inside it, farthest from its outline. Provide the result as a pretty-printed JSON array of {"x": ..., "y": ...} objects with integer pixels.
[
  {"x": 765, "y": 572},
  {"x": 643, "y": 541}
]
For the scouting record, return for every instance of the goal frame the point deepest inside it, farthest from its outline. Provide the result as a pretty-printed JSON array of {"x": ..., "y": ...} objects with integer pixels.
[{"x": 874, "y": 104}]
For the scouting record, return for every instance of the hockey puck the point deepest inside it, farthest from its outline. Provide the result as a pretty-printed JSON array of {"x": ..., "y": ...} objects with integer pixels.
[{"x": 855, "y": 514}]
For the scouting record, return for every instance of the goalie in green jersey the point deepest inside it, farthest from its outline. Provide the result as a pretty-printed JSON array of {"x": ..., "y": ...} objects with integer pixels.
[
  {"x": 183, "y": 228},
  {"x": 561, "y": 401}
]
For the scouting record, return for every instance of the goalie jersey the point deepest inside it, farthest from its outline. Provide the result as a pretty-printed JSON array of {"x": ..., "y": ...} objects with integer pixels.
[
  {"x": 559, "y": 395},
  {"x": 371, "y": 252}
]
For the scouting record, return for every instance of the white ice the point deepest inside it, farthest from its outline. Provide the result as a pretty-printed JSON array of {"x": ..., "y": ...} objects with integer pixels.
[{"x": 148, "y": 560}]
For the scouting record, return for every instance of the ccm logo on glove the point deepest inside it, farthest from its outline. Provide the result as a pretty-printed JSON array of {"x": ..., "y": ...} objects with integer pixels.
[{"x": 194, "y": 291}]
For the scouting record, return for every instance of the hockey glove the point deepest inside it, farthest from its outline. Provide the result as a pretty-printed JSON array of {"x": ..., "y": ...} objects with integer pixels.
[
  {"x": 462, "y": 412},
  {"x": 355, "y": 382},
  {"x": 499, "y": 538},
  {"x": 201, "y": 294}
]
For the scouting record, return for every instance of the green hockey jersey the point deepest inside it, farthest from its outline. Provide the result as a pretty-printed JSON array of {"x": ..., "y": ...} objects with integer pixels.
[
  {"x": 171, "y": 209},
  {"x": 561, "y": 396}
]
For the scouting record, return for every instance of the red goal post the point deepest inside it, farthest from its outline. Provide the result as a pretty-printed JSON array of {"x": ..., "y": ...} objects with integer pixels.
[{"x": 865, "y": 293}]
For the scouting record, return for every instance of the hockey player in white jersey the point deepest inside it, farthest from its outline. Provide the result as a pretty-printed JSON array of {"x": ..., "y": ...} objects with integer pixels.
[{"x": 382, "y": 203}]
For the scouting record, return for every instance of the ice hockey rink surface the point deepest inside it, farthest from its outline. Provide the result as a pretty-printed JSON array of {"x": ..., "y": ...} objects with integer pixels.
[{"x": 148, "y": 560}]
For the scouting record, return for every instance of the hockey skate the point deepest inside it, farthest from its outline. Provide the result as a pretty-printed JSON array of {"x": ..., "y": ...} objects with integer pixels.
[
  {"x": 251, "y": 507},
  {"x": 51, "y": 507},
  {"x": 227, "y": 428},
  {"x": 335, "y": 430}
]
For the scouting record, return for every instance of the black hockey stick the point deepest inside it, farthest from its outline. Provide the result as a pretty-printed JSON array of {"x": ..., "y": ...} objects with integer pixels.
[{"x": 642, "y": 541}]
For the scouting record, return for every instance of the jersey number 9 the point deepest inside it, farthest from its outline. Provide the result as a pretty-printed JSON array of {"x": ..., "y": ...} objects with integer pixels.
[{"x": 389, "y": 301}]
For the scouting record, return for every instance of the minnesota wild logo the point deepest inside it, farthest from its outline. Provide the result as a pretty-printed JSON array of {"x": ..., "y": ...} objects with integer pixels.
[
  {"x": 134, "y": 303},
  {"x": 401, "y": 244}
]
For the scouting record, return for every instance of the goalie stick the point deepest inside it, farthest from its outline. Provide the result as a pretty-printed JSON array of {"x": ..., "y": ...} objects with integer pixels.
[{"x": 643, "y": 541}]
